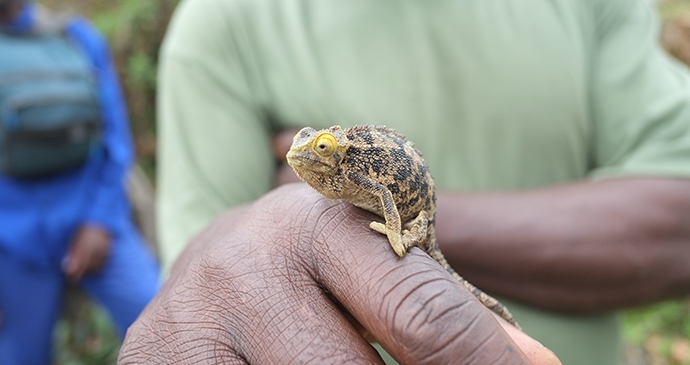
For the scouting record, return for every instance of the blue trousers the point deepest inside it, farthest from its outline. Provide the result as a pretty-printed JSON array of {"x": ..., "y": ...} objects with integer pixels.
[{"x": 31, "y": 297}]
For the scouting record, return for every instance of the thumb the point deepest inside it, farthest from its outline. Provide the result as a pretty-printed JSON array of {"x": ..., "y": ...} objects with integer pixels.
[{"x": 73, "y": 265}]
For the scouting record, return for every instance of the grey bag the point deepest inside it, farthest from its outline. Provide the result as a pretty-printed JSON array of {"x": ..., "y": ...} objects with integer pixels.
[{"x": 49, "y": 107}]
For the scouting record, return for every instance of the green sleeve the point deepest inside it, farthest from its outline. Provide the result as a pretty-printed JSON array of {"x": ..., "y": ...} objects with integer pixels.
[
  {"x": 214, "y": 150},
  {"x": 640, "y": 99}
]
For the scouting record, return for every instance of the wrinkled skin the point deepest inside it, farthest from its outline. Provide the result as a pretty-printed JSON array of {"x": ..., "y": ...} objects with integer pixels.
[{"x": 278, "y": 282}]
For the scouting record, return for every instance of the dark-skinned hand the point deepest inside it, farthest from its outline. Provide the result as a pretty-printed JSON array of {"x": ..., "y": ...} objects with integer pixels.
[
  {"x": 295, "y": 278},
  {"x": 87, "y": 253}
]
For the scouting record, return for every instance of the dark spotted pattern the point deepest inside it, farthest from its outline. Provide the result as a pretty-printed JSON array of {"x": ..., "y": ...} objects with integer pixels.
[
  {"x": 377, "y": 160},
  {"x": 385, "y": 156}
]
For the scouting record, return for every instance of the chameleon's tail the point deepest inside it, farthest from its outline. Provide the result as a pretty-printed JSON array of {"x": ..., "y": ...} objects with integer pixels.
[
  {"x": 487, "y": 300},
  {"x": 416, "y": 229}
]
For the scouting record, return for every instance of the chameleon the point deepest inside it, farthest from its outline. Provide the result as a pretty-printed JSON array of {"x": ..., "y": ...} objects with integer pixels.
[{"x": 379, "y": 170}]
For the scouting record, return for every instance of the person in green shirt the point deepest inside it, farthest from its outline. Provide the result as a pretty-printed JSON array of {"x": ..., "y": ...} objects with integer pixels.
[{"x": 558, "y": 134}]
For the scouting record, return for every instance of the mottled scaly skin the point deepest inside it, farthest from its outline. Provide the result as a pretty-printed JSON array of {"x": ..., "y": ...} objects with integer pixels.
[{"x": 378, "y": 170}]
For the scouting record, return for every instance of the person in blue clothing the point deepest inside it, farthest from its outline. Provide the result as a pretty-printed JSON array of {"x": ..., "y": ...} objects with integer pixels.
[{"x": 74, "y": 225}]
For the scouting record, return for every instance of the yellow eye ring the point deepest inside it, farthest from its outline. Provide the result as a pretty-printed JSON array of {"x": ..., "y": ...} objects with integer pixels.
[{"x": 325, "y": 144}]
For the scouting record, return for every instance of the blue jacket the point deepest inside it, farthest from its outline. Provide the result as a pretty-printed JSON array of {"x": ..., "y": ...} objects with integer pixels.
[{"x": 39, "y": 218}]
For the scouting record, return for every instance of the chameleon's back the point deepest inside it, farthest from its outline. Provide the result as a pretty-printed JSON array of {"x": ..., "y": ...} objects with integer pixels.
[{"x": 388, "y": 158}]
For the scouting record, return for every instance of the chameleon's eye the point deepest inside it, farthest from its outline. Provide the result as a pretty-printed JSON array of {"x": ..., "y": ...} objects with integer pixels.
[{"x": 325, "y": 144}]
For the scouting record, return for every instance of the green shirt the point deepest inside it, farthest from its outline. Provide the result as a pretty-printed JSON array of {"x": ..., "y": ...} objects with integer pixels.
[{"x": 497, "y": 94}]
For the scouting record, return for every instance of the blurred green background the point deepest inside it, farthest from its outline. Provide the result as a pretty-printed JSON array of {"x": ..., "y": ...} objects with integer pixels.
[{"x": 655, "y": 335}]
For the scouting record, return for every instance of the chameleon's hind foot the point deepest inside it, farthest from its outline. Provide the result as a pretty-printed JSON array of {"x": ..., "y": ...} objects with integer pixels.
[{"x": 403, "y": 241}]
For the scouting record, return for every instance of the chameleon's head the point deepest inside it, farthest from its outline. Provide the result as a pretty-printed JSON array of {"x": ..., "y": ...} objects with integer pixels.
[{"x": 317, "y": 152}]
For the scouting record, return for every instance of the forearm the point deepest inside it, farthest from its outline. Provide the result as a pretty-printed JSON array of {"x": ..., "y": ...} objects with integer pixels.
[{"x": 584, "y": 247}]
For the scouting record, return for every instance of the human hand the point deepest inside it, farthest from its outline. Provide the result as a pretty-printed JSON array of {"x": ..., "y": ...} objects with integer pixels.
[
  {"x": 281, "y": 145},
  {"x": 292, "y": 277},
  {"x": 9, "y": 10},
  {"x": 87, "y": 253}
]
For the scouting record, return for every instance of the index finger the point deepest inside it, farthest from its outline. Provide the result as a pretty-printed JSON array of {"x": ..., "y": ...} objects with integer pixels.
[{"x": 416, "y": 310}]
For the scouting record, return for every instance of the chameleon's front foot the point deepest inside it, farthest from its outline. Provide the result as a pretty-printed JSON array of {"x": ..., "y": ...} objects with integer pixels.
[
  {"x": 394, "y": 237},
  {"x": 403, "y": 241}
]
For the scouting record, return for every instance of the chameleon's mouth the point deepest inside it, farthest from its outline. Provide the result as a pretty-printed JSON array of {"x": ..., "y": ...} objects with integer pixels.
[
  {"x": 296, "y": 159},
  {"x": 303, "y": 162}
]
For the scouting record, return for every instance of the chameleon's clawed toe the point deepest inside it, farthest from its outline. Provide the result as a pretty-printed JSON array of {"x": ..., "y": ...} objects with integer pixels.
[
  {"x": 394, "y": 237},
  {"x": 379, "y": 227}
]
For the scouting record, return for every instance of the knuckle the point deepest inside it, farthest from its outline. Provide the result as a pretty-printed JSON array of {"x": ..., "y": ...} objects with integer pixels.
[
  {"x": 433, "y": 319},
  {"x": 182, "y": 329},
  {"x": 419, "y": 305}
]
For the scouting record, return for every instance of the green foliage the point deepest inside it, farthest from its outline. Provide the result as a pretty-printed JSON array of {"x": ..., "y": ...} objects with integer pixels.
[
  {"x": 661, "y": 331},
  {"x": 121, "y": 17},
  {"x": 142, "y": 70},
  {"x": 86, "y": 336},
  {"x": 670, "y": 318},
  {"x": 129, "y": 27}
]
